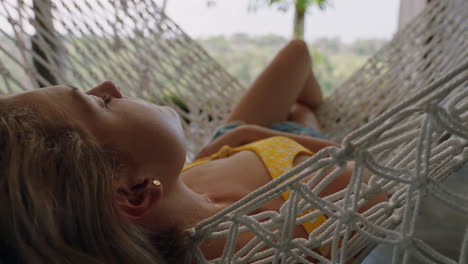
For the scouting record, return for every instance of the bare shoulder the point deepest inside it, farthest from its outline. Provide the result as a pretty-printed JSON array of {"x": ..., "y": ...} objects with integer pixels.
[{"x": 229, "y": 178}]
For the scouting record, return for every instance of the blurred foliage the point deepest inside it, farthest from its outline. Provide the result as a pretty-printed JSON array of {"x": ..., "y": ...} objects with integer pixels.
[
  {"x": 242, "y": 55},
  {"x": 334, "y": 61},
  {"x": 366, "y": 47}
]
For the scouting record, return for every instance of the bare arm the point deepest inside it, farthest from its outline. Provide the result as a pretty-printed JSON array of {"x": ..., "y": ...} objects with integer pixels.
[{"x": 250, "y": 133}]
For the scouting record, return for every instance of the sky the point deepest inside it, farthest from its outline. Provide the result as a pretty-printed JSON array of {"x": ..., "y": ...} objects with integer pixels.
[{"x": 346, "y": 19}]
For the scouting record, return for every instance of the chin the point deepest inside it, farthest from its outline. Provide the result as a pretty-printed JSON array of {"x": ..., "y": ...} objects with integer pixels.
[
  {"x": 178, "y": 147},
  {"x": 183, "y": 152}
]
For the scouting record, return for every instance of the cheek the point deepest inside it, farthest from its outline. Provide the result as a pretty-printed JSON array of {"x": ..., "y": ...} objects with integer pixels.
[
  {"x": 151, "y": 136},
  {"x": 156, "y": 138}
]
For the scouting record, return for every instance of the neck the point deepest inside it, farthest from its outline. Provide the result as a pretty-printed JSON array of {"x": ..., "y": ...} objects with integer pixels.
[{"x": 185, "y": 207}]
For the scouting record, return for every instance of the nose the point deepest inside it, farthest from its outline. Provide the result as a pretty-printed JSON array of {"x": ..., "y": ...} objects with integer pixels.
[{"x": 107, "y": 88}]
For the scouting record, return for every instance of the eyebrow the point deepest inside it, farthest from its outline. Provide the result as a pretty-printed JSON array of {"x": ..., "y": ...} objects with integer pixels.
[
  {"x": 80, "y": 96},
  {"x": 74, "y": 89}
]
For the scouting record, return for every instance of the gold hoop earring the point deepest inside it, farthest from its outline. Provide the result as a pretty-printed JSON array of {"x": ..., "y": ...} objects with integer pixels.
[{"x": 157, "y": 182}]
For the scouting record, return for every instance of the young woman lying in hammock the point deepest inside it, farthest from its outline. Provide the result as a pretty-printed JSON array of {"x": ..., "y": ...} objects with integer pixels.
[{"x": 81, "y": 171}]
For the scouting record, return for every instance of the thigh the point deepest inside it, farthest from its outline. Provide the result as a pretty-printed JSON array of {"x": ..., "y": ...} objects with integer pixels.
[
  {"x": 272, "y": 94},
  {"x": 305, "y": 116}
]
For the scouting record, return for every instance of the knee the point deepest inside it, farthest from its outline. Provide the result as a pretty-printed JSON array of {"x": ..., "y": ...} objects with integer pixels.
[
  {"x": 299, "y": 50},
  {"x": 299, "y": 45}
]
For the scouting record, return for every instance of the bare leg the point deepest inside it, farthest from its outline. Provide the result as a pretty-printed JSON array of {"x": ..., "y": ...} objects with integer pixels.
[
  {"x": 311, "y": 94},
  {"x": 302, "y": 114},
  {"x": 310, "y": 98},
  {"x": 279, "y": 86}
]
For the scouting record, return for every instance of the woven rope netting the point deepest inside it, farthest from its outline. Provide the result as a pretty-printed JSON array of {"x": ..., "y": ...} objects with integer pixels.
[
  {"x": 83, "y": 43},
  {"x": 402, "y": 117}
]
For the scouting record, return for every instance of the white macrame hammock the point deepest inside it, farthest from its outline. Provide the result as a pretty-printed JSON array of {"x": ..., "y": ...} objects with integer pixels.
[{"x": 403, "y": 116}]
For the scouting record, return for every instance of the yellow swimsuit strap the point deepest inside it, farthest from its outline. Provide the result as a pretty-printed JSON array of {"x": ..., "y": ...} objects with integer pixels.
[{"x": 277, "y": 153}]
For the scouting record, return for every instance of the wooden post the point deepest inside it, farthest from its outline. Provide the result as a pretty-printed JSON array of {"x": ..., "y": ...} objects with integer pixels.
[
  {"x": 46, "y": 35},
  {"x": 408, "y": 10}
]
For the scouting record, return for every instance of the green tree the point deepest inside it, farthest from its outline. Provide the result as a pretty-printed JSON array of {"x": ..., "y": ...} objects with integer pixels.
[
  {"x": 300, "y": 9},
  {"x": 367, "y": 47},
  {"x": 328, "y": 45}
]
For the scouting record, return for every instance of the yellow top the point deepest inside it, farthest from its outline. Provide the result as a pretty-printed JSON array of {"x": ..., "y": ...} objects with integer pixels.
[{"x": 277, "y": 154}]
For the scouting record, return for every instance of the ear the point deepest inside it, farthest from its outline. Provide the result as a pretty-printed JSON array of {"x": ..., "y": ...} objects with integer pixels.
[{"x": 136, "y": 199}]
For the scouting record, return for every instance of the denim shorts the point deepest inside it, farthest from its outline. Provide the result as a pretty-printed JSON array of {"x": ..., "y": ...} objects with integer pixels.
[{"x": 289, "y": 127}]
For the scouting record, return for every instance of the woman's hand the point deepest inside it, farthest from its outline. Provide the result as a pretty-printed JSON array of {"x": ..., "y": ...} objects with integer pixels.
[
  {"x": 250, "y": 133},
  {"x": 237, "y": 137}
]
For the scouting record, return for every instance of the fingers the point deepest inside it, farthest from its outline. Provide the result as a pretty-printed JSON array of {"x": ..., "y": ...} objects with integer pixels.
[
  {"x": 233, "y": 138},
  {"x": 212, "y": 147},
  {"x": 204, "y": 153}
]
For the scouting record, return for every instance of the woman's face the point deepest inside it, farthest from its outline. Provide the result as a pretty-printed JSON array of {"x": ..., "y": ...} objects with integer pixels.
[{"x": 149, "y": 137}]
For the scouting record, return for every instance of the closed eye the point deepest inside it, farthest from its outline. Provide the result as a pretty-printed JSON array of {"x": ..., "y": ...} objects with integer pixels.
[{"x": 107, "y": 100}]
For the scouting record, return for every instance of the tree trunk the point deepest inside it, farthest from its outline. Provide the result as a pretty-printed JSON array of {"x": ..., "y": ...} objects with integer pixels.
[{"x": 299, "y": 19}]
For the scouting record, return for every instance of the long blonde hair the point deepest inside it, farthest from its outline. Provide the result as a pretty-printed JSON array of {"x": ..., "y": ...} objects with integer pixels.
[{"x": 56, "y": 196}]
